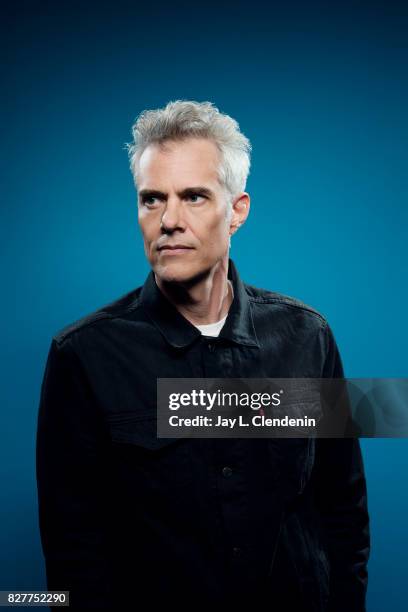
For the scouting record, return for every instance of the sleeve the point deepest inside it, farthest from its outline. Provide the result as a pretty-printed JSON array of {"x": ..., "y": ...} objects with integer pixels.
[
  {"x": 341, "y": 496},
  {"x": 70, "y": 482}
]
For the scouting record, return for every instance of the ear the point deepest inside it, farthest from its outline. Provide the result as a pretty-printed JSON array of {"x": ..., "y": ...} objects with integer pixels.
[{"x": 240, "y": 211}]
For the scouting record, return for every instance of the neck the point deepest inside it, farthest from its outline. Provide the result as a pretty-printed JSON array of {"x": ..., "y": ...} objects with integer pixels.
[{"x": 204, "y": 301}]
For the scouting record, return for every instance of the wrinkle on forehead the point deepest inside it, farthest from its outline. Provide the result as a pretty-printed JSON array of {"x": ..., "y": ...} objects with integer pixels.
[{"x": 182, "y": 161}]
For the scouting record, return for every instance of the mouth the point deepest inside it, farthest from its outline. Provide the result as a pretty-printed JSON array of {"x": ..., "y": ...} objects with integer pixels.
[{"x": 175, "y": 249}]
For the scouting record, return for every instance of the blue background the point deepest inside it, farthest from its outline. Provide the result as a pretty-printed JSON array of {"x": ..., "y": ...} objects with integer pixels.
[{"x": 320, "y": 89}]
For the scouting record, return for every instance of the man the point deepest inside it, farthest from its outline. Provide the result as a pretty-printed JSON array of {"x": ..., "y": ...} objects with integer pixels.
[{"x": 126, "y": 516}]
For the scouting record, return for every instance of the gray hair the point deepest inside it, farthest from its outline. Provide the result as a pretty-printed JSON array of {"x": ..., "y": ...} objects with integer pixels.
[{"x": 181, "y": 119}]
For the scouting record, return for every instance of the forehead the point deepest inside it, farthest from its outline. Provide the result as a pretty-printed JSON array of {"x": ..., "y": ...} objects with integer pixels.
[{"x": 179, "y": 162}]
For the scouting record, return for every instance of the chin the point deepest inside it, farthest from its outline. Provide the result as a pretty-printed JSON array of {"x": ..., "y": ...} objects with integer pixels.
[{"x": 176, "y": 272}]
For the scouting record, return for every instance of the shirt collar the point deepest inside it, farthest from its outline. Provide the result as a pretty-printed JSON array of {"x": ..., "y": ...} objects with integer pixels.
[{"x": 179, "y": 332}]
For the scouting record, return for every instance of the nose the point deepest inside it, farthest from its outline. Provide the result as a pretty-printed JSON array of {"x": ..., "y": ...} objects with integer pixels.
[{"x": 172, "y": 217}]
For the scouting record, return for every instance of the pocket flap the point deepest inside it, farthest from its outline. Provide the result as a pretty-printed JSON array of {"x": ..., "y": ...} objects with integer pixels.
[{"x": 138, "y": 429}]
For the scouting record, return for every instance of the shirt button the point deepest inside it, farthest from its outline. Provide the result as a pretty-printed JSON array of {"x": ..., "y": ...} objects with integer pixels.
[
  {"x": 226, "y": 471},
  {"x": 210, "y": 346}
]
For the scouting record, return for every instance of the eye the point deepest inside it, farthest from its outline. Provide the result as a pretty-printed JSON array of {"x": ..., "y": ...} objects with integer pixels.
[
  {"x": 195, "y": 198},
  {"x": 150, "y": 201}
]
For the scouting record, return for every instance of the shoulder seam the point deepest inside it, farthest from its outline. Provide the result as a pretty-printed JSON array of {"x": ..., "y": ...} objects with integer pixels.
[
  {"x": 62, "y": 336},
  {"x": 287, "y": 302}
]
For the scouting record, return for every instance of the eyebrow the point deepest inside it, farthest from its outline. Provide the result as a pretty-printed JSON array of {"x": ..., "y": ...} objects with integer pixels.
[{"x": 185, "y": 192}]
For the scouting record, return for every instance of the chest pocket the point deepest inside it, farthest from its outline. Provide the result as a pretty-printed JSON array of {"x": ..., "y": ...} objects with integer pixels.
[
  {"x": 144, "y": 461},
  {"x": 291, "y": 462},
  {"x": 292, "y": 458}
]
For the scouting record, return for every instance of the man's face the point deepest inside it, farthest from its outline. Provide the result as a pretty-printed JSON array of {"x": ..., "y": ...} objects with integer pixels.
[{"x": 182, "y": 204}]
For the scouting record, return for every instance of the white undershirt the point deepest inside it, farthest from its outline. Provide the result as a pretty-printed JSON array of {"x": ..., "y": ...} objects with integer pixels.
[{"x": 213, "y": 329}]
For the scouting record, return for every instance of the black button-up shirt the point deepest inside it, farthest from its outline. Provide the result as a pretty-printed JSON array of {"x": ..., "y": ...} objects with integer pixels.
[{"x": 127, "y": 517}]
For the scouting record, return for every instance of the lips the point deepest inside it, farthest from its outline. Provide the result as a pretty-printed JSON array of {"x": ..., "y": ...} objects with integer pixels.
[{"x": 174, "y": 247}]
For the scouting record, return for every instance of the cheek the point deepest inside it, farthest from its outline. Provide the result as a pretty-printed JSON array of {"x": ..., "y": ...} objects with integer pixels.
[
  {"x": 214, "y": 241},
  {"x": 147, "y": 231},
  {"x": 218, "y": 232}
]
